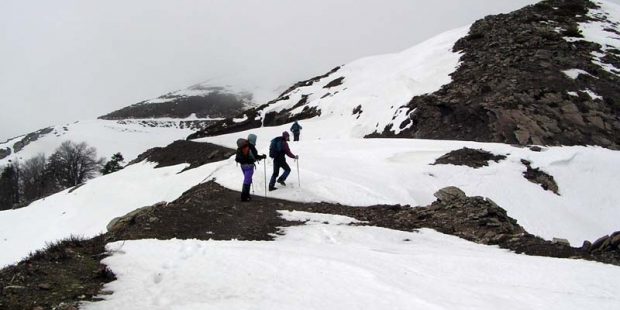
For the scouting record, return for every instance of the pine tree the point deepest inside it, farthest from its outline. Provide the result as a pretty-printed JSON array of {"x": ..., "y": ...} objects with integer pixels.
[{"x": 114, "y": 164}]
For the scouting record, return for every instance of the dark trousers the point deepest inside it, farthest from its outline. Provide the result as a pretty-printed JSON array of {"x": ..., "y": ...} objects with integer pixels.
[
  {"x": 296, "y": 136},
  {"x": 277, "y": 164}
]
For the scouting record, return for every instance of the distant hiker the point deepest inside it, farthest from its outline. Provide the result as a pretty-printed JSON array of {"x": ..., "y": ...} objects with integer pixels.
[
  {"x": 246, "y": 156},
  {"x": 278, "y": 149},
  {"x": 295, "y": 129}
]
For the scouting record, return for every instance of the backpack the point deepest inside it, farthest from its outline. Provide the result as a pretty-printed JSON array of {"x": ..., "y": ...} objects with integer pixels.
[
  {"x": 243, "y": 151},
  {"x": 275, "y": 147}
]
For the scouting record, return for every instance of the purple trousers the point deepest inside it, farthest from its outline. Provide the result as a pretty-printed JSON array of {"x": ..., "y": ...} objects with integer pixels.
[{"x": 248, "y": 172}]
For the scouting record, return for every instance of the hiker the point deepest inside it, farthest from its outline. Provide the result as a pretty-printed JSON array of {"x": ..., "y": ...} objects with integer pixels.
[
  {"x": 295, "y": 129},
  {"x": 246, "y": 156},
  {"x": 278, "y": 149}
]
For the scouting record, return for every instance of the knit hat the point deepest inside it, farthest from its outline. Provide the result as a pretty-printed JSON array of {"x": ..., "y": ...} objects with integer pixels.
[{"x": 252, "y": 138}]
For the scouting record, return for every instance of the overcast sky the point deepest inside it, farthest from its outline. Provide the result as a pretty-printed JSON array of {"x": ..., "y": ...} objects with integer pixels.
[{"x": 62, "y": 60}]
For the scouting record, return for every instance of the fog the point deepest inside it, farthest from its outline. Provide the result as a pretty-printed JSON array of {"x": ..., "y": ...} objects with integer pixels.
[{"x": 62, "y": 61}]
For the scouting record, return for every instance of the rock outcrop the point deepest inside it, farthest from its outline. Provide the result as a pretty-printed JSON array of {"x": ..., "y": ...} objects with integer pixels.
[
  {"x": 179, "y": 152},
  {"x": 535, "y": 175},
  {"x": 468, "y": 157}
]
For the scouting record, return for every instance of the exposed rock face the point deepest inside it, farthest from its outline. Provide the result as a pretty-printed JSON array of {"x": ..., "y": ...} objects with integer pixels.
[
  {"x": 468, "y": 157},
  {"x": 510, "y": 86},
  {"x": 535, "y": 175},
  {"x": 251, "y": 118},
  {"x": 216, "y": 103}
]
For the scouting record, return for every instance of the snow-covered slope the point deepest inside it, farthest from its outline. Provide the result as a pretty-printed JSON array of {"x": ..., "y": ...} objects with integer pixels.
[
  {"x": 130, "y": 137},
  {"x": 327, "y": 265},
  {"x": 377, "y": 86}
]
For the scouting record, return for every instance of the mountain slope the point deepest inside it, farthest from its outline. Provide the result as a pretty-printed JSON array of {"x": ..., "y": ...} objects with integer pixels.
[
  {"x": 545, "y": 74},
  {"x": 267, "y": 254}
]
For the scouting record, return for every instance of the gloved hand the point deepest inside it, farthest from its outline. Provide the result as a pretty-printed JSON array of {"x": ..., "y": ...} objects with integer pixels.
[
  {"x": 296, "y": 156},
  {"x": 263, "y": 156}
]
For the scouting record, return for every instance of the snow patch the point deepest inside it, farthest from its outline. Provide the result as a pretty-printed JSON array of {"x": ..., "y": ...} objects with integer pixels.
[
  {"x": 574, "y": 73},
  {"x": 592, "y": 94},
  {"x": 315, "y": 218}
]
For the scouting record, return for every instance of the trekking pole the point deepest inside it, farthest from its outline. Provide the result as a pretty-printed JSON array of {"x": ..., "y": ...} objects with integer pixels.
[
  {"x": 265, "y": 174},
  {"x": 298, "y": 178}
]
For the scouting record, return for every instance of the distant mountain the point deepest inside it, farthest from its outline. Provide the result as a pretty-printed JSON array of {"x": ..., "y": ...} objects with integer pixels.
[
  {"x": 545, "y": 74},
  {"x": 136, "y": 128},
  {"x": 201, "y": 100}
]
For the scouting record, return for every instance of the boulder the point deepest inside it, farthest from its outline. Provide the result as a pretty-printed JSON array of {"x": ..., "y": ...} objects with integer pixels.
[{"x": 449, "y": 193}]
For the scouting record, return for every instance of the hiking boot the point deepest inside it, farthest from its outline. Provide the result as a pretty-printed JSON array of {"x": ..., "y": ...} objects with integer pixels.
[
  {"x": 282, "y": 182},
  {"x": 272, "y": 189}
]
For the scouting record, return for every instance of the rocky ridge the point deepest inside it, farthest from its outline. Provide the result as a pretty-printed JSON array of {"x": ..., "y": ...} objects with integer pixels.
[{"x": 526, "y": 78}]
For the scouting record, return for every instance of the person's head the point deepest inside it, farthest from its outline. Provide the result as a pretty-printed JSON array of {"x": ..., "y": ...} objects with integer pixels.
[
  {"x": 285, "y": 135},
  {"x": 252, "y": 139}
]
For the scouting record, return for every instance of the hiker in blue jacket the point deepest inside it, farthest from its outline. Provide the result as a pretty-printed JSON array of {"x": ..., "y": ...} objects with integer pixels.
[
  {"x": 247, "y": 155},
  {"x": 295, "y": 129},
  {"x": 279, "y": 150}
]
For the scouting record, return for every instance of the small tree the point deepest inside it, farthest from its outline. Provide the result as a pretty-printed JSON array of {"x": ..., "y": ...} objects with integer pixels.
[
  {"x": 9, "y": 187},
  {"x": 114, "y": 164},
  {"x": 72, "y": 164}
]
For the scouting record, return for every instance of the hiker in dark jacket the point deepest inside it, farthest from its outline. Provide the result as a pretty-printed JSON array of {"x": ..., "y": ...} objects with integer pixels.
[
  {"x": 295, "y": 129},
  {"x": 279, "y": 160},
  {"x": 247, "y": 166}
]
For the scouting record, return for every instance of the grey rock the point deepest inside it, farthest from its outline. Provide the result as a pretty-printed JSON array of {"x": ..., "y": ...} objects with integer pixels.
[
  {"x": 449, "y": 193},
  {"x": 561, "y": 241},
  {"x": 5, "y": 152},
  {"x": 586, "y": 245},
  {"x": 121, "y": 221}
]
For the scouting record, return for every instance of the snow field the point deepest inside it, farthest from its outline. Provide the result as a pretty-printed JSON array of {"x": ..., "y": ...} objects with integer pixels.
[
  {"x": 364, "y": 172},
  {"x": 335, "y": 266}
]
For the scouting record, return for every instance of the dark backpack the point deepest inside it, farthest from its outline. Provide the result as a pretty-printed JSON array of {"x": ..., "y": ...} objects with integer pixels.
[
  {"x": 275, "y": 147},
  {"x": 243, "y": 151}
]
